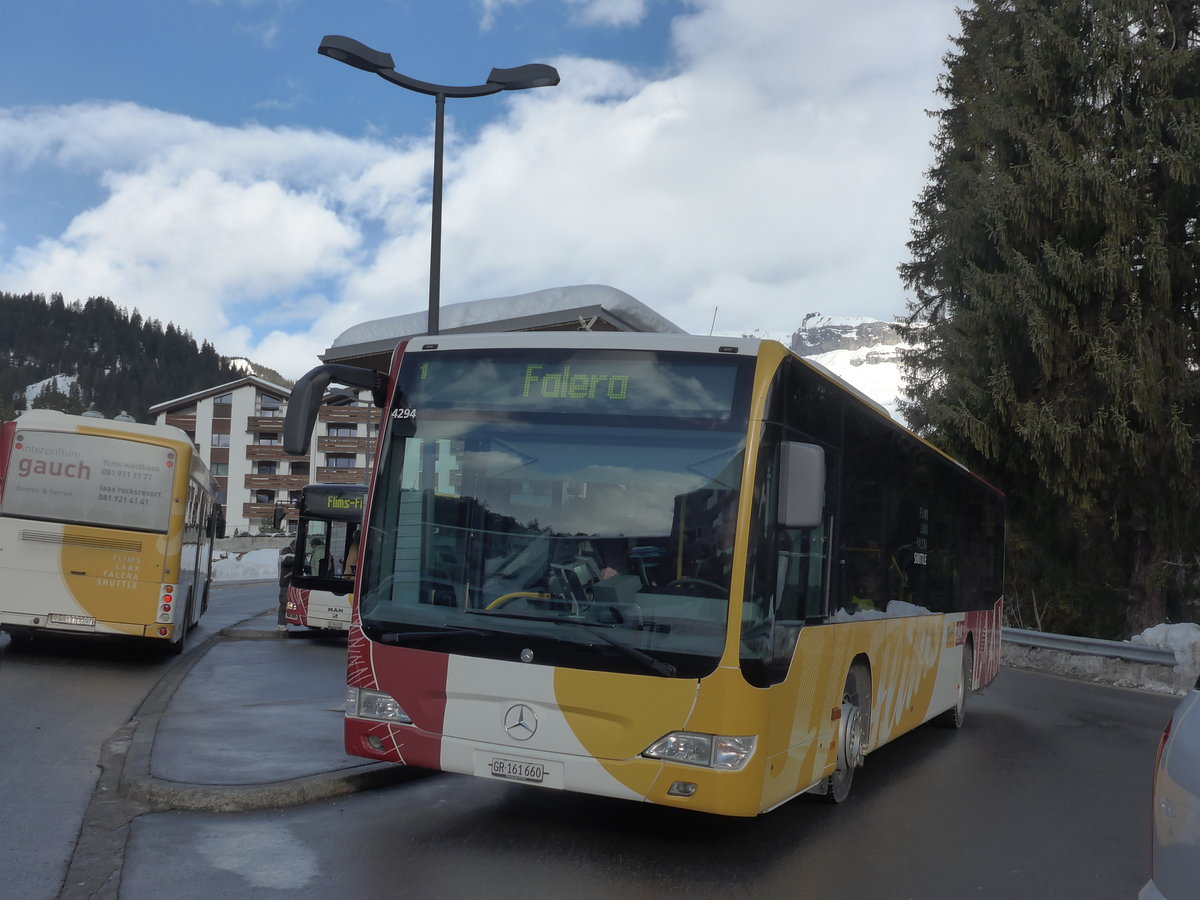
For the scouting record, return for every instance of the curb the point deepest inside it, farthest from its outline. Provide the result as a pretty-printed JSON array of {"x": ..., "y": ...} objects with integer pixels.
[{"x": 136, "y": 742}]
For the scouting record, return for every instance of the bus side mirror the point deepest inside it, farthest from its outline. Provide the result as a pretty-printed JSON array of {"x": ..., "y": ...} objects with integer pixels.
[
  {"x": 306, "y": 400},
  {"x": 801, "y": 485}
]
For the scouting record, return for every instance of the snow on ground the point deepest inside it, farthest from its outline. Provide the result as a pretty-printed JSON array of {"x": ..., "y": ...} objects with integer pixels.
[
  {"x": 249, "y": 565},
  {"x": 61, "y": 383},
  {"x": 1178, "y": 637}
]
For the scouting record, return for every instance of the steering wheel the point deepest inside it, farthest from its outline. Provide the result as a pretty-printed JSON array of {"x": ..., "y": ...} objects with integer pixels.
[{"x": 693, "y": 587}]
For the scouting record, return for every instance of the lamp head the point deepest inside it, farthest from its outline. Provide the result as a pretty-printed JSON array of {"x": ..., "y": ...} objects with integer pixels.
[
  {"x": 529, "y": 76},
  {"x": 354, "y": 53}
]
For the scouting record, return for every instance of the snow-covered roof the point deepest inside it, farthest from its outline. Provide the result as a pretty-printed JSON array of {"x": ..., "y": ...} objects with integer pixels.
[{"x": 582, "y": 305}]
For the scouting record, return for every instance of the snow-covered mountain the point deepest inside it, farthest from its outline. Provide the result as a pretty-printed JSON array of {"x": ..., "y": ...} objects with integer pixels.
[
  {"x": 863, "y": 352},
  {"x": 60, "y": 383}
]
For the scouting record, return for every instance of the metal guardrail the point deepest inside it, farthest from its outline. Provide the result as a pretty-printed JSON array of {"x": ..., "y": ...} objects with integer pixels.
[{"x": 1138, "y": 653}]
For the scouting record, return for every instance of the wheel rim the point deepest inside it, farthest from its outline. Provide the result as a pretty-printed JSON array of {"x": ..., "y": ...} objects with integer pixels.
[{"x": 850, "y": 751}]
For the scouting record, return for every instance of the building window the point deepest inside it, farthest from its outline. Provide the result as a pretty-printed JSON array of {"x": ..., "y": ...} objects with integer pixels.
[
  {"x": 342, "y": 429},
  {"x": 220, "y": 440},
  {"x": 268, "y": 467},
  {"x": 222, "y": 497},
  {"x": 219, "y": 468},
  {"x": 300, "y": 468},
  {"x": 223, "y": 406},
  {"x": 264, "y": 496},
  {"x": 340, "y": 460},
  {"x": 269, "y": 406},
  {"x": 269, "y": 438}
]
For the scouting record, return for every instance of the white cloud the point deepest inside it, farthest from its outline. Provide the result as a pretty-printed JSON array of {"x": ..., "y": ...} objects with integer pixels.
[
  {"x": 490, "y": 9},
  {"x": 606, "y": 13},
  {"x": 609, "y": 12},
  {"x": 769, "y": 172}
]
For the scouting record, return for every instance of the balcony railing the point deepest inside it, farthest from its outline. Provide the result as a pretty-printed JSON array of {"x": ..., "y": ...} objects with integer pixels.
[
  {"x": 270, "y": 451},
  {"x": 264, "y": 423},
  {"x": 265, "y": 511},
  {"x": 349, "y": 414},
  {"x": 275, "y": 482},
  {"x": 341, "y": 475},
  {"x": 186, "y": 423},
  {"x": 333, "y": 444}
]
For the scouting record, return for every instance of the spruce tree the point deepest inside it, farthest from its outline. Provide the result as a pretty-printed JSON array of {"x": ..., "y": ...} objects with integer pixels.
[{"x": 1054, "y": 266}]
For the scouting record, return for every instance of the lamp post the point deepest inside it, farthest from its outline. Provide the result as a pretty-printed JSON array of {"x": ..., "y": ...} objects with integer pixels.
[{"x": 359, "y": 55}]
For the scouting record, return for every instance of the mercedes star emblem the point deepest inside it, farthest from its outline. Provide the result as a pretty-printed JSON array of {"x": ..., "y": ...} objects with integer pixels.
[{"x": 520, "y": 722}]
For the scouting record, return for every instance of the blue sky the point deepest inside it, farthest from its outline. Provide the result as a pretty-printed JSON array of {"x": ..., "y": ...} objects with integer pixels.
[{"x": 199, "y": 161}]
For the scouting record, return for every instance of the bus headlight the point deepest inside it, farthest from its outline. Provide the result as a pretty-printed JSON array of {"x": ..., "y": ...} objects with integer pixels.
[
  {"x": 713, "y": 751},
  {"x": 376, "y": 705}
]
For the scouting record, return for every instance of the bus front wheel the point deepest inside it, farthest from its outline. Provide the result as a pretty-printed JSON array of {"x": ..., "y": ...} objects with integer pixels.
[{"x": 854, "y": 726}]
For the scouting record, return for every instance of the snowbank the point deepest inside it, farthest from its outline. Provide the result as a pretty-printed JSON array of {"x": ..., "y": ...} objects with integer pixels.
[
  {"x": 249, "y": 565},
  {"x": 1181, "y": 637}
]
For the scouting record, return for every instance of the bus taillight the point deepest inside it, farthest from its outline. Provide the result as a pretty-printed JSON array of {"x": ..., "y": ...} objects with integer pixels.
[{"x": 166, "y": 609}]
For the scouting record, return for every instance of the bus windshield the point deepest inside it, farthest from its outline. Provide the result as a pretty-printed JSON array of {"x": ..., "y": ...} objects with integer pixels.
[{"x": 581, "y": 537}]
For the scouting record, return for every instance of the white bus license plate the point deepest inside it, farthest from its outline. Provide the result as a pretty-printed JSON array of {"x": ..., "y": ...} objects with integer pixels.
[{"x": 517, "y": 770}]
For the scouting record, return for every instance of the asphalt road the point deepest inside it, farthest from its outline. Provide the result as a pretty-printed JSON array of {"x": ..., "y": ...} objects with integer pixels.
[
  {"x": 59, "y": 702},
  {"x": 1043, "y": 794}
]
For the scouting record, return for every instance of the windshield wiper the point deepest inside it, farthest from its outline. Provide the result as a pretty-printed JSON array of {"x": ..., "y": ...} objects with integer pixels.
[
  {"x": 654, "y": 665},
  {"x": 399, "y": 637}
]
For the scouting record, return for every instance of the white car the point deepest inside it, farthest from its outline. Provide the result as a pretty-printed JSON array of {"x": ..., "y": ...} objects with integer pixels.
[{"x": 1175, "y": 870}]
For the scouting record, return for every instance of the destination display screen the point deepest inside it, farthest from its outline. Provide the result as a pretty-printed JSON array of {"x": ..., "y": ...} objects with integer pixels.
[
  {"x": 89, "y": 479},
  {"x": 619, "y": 383},
  {"x": 341, "y": 502}
]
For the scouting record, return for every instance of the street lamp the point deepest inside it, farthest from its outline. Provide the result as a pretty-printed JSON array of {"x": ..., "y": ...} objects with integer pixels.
[{"x": 359, "y": 55}]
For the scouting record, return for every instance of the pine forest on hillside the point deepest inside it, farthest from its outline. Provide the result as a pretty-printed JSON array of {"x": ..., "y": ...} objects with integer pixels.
[
  {"x": 120, "y": 361},
  {"x": 1056, "y": 268}
]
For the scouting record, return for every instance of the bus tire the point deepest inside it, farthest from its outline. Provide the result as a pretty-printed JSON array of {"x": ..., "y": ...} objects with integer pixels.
[
  {"x": 177, "y": 647},
  {"x": 955, "y": 715},
  {"x": 854, "y": 726}
]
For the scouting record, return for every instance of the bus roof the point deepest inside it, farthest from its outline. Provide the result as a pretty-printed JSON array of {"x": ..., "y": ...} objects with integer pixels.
[
  {"x": 53, "y": 420},
  {"x": 596, "y": 340}
]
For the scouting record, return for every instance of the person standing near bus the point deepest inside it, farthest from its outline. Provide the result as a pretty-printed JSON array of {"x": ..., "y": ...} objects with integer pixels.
[{"x": 287, "y": 559}]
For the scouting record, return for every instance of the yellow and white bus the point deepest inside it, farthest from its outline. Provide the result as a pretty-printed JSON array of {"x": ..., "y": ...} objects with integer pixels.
[
  {"x": 106, "y": 527},
  {"x": 698, "y": 572}
]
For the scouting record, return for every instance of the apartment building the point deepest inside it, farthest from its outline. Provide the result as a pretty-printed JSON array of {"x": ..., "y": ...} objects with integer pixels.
[{"x": 238, "y": 429}]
